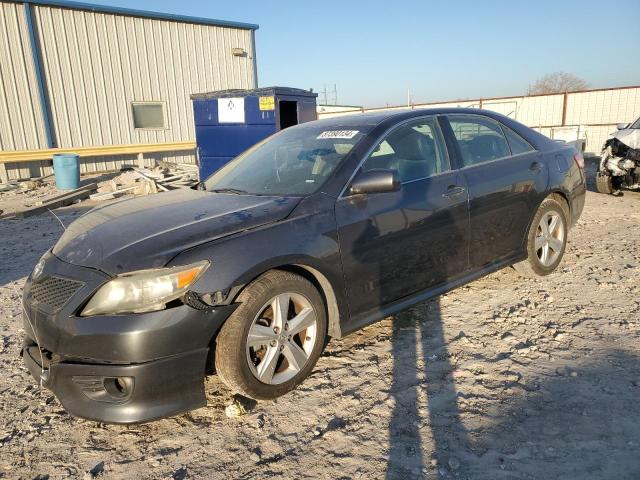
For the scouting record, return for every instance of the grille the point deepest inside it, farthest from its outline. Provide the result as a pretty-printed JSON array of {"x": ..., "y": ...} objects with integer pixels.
[{"x": 54, "y": 291}]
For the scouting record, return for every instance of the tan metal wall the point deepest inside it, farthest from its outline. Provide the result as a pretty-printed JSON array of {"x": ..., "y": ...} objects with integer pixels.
[
  {"x": 96, "y": 64},
  {"x": 21, "y": 124},
  {"x": 594, "y": 113}
]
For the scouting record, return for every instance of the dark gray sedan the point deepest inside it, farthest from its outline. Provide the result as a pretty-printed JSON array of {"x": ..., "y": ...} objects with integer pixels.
[{"x": 313, "y": 233}]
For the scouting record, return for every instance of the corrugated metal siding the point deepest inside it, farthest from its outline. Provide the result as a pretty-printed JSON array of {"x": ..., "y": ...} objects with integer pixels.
[
  {"x": 603, "y": 109},
  {"x": 21, "y": 124},
  {"x": 604, "y": 106},
  {"x": 96, "y": 64}
]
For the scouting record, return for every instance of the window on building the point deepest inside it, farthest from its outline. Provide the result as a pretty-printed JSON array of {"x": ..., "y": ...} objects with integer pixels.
[{"x": 148, "y": 115}]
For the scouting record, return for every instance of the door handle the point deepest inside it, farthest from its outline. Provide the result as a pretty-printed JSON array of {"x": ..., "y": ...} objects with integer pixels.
[
  {"x": 453, "y": 191},
  {"x": 535, "y": 167}
]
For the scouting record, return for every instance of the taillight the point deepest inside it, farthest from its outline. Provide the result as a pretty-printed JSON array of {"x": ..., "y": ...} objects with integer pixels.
[{"x": 579, "y": 159}]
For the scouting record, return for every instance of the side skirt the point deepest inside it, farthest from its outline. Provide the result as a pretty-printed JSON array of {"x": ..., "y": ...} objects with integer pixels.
[{"x": 382, "y": 312}]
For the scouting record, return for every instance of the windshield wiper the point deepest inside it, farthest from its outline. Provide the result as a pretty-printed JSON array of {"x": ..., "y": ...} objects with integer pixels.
[{"x": 229, "y": 190}]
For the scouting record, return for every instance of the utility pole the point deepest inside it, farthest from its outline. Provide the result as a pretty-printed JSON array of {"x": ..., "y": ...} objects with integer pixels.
[{"x": 334, "y": 95}]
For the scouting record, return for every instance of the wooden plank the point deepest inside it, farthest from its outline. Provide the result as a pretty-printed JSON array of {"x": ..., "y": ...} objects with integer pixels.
[
  {"x": 57, "y": 202},
  {"x": 89, "y": 186},
  {"x": 19, "y": 156},
  {"x": 111, "y": 195}
]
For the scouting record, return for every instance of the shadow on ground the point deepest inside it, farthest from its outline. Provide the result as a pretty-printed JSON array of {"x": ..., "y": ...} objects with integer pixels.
[{"x": 579, "y": 421}]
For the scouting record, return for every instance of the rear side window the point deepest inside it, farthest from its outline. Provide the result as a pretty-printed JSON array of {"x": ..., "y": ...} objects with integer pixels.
[
  {"x": 516, "y": 142},
  {"x": 480, "y": 139}
]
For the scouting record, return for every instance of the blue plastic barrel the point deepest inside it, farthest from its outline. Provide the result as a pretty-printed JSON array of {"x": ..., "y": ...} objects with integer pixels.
[{"x": 66, "y": 167}]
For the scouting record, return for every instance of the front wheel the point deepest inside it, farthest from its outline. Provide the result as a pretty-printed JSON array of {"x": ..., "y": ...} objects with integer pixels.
[
  {"x": 272, "y": 341},
  {"x": 547, "y": 238}
]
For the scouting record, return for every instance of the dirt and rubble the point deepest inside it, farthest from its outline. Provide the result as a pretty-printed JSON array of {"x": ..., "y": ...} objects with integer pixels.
[{"x": 506, "y": 378}]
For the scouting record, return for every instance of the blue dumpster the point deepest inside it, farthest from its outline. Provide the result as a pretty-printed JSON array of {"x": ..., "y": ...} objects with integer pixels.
[
  {"x": 230, "y": 121},
  {"x": 66, "y": 168}
]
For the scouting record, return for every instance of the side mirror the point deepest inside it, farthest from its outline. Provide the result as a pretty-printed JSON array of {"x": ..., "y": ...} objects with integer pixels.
[
  {"x": 621, "y": 126},
  {"x": 377, "y": 180},
  {"x": 200, "y": 186}
]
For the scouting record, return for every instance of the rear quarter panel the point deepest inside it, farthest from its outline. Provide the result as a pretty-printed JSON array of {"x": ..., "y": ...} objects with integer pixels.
[{"x": 567, "y": 178}]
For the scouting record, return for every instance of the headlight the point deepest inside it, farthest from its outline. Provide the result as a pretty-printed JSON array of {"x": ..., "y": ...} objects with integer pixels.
[{"x": 144, "y": 290}]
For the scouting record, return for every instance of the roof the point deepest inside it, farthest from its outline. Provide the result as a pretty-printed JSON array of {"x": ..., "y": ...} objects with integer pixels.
[
  {"x": 377, "y": 117},
  {"x": 264, "y": 91},
  {"x": 130, "y": 12}
]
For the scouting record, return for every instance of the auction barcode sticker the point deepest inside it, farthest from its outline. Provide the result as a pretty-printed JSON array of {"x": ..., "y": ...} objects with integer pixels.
[{"x": 338, "y": 134}]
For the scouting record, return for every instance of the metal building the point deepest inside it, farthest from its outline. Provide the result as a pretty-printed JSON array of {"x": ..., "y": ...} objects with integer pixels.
[{"x": 76, "y": 75}]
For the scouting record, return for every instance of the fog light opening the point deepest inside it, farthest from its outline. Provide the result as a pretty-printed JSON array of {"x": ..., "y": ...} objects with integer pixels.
[{"x": 118, "y": 387}]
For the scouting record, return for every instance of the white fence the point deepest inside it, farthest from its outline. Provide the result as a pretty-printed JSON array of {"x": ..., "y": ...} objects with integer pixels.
[{"x": 590, "y": 115}]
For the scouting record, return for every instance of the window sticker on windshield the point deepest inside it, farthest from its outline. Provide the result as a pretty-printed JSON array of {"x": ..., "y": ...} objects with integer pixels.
[{"x": 338, "y": 134}]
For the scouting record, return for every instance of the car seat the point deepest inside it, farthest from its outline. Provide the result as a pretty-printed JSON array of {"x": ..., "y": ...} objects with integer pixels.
[{"x": 415, "y": 156}]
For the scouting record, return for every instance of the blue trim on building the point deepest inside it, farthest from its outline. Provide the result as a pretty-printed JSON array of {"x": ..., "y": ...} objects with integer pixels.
[
  {"x": 255, "y": 59},
  {"x": 140, "y": 13},
  {"x": 36, "y": 55}
]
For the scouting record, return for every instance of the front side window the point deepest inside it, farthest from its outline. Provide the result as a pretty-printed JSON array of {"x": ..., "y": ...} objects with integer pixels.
[
  {"x": 480, "y": 139},
  {"x": 415, "y": 150},
  {"x": 296, "y": 161},
  {"x": 636, "y": 124}
]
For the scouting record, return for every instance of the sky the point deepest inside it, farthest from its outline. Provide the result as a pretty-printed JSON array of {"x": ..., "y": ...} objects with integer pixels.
[{"x": 375, "y": 51}]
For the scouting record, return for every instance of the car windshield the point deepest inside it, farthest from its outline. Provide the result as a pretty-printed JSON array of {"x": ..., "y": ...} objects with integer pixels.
[{"x": 293, "y": 162}]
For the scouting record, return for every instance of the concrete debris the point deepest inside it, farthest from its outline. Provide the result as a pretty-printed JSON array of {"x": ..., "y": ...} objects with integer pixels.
[
  {"x": 144, "y": 181},
  {"x": 236, "y": 409}
]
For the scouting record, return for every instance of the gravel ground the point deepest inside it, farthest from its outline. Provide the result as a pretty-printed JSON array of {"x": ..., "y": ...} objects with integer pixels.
[{"x": 506, "y": 378}]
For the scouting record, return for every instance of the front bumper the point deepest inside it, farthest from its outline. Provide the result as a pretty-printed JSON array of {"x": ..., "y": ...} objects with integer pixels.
[
  {"x": 120, "y": 368},
  {"x": 152, "y": 390}
]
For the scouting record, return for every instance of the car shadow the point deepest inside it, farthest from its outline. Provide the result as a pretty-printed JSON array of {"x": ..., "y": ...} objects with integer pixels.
[
  {"x": 424, "y": 391},
  {"x": 581, "y": 421}
]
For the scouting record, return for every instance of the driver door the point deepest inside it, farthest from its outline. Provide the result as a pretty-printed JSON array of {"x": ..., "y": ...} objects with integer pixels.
[{"x": 399, "y": 243}]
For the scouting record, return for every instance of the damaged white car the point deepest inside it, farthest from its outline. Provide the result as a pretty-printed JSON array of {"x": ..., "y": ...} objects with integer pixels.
[{"x": 620, "y": 161}]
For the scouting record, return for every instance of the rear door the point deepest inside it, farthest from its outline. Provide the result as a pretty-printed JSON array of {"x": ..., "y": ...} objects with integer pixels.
[
  {"x": 507, "y": 179},
  {"x": 397, "y": 243}
]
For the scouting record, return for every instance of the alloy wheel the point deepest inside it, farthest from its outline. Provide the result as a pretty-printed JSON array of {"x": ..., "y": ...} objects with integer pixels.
[
  {"x": 281, "y": 338},
  {"x": 549, "y": 239}
]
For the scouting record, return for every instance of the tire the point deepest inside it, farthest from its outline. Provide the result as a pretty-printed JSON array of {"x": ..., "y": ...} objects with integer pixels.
[
  {"x": 536, "y": 264},
  {"x": 604, "y": 184},
  {"x": 269, "y": 365}
]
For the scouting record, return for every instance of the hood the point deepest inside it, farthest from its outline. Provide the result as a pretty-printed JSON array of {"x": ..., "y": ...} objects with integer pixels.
[
  {"x": 630, "y": 137},
  {"x": 147, "y": 232}
]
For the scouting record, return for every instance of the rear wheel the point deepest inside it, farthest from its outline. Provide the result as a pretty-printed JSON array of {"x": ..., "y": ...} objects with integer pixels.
[
  {"x": 547, "y": 238},
  {"x": 604, "y": 183},
  {"x": 272, "y": 341}
]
